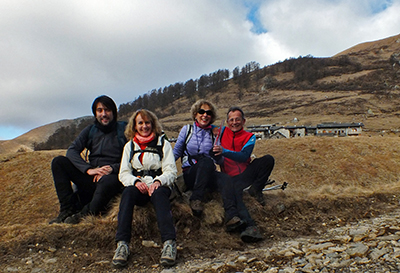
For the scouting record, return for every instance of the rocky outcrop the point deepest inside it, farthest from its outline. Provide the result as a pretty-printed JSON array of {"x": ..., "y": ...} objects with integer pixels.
[{"x": 371, "y": 245}]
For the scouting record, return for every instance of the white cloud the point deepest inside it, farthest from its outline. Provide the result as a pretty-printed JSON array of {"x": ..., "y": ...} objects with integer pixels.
[
  {"x": 57, "y": 56},
  {"x": 324, "y": 28}
]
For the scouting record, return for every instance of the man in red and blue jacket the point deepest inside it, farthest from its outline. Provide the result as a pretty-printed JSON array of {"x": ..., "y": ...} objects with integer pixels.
[{"x": 236, "y": 147}]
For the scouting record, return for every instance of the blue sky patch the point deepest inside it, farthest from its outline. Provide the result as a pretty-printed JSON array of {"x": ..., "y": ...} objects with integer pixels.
[
  {"x": 378, "y": 6},
  {"x": 254, "y": 17}
]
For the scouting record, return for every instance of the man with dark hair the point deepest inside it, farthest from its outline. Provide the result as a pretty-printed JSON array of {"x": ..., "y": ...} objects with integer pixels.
[
  {"x": 95, "y": 181},
  {"x": 236, "y": 148}
]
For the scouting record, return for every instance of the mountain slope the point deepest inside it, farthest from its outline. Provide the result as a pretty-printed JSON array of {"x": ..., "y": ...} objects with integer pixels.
[
  {"x": 383, "y": 48},
  {"x": 25, "y": 142},
  {"x": 360, "y": 84}
]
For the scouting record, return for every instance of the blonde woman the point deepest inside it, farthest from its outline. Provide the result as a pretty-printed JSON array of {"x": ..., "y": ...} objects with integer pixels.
[{"x": 147, "y": 171}]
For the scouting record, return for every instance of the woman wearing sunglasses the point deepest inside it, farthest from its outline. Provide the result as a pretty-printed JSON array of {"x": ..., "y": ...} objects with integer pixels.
[{"x": 194, "y": 147}]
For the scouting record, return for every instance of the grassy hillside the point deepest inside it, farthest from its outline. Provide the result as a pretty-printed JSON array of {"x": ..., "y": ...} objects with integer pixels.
[
  {"x": 360, "y": 84},
  {"x": 332, "y": 181}
]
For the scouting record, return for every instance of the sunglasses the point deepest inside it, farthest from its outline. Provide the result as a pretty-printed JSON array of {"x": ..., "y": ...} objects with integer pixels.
[{"x": 202, "y": 111}]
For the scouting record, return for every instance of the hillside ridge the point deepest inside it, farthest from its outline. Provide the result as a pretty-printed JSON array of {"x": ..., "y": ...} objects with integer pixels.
[{"x": 359, "y": 84}]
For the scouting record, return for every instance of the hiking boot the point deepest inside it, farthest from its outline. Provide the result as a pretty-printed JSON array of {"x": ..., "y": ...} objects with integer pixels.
[
  {"x": 258, "y": 195},
  {"x": 168, "y": 253},
  {"x": 235, "y": 224},
  {"x": 251, "y": 235},
  {"x": 61, "y": 217},
  {"x": 197, "y": 207},
  {"x": 121, "y": 255},
  {"x": 74, "y": 219}
]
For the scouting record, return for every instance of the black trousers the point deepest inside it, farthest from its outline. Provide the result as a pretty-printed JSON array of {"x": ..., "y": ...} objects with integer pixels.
[
  {"x": 91, "y": 197},
  {"x": 256, "y": 175},
  {"x": 131, "y": 196},
  {"x": 202, "y": 176}
]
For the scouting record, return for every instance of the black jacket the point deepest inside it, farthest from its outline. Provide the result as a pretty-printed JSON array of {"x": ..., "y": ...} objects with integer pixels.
[{"x": 105, "y": 148}]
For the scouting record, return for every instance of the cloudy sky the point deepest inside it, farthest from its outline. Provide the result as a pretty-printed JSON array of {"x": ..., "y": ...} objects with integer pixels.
[{"x": 57, "y": 56}]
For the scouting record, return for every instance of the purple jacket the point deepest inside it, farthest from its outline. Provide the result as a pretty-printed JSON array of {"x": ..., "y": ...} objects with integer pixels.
[{"x": 200, "y": 144}]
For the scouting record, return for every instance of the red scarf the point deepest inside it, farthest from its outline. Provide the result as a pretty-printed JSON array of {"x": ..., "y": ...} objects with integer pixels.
[
  {"x": 198, "y": 125},
  {"x": 142, "y": 142}
]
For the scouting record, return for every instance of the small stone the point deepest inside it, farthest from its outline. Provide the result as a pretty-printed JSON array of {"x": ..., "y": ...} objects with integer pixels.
[
  {"x": 289, "y": 254},
  {"x": 345, "y": 263},
  {"x": 358, "y": 231},
  {"x": 242, "y": 259},
  {"x": 396, "y": 254},
  {"x": 272, "y": 270},
  {"x": 343, "y": 239},
  {"x": 50, "y": 261},
  {"x": 364, "y": 261},
  {"x": 377, "y": 253},
  {"x": 391, "y": 237},
  {"x": 296, "y": 251},
  {"x": 338, "y": 248},
  {"x": 359, "y": 237},
  {"x": 358, "y": 249},
  {"x": 320, "y": 247},
  {"x": 52, "y": 249},
  {"x": 308, "y": 268},
  {"x": 147, "y": 243}
]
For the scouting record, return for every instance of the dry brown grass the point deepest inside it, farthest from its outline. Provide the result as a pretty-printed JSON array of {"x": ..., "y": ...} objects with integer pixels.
[
  {"x": 331, "y": 181},
  {"x": 319, "y": 167},
  {"x": 314, "y": 167}
]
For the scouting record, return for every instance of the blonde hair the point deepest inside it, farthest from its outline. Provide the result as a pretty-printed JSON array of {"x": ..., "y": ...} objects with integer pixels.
[
  {"x": 130, "y": 129},
  {"x": 196, "y": 107}
]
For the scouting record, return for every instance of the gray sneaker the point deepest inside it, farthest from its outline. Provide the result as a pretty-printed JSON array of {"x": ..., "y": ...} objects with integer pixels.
[
  {"x": 168, "y": 253},
  {"x": 235, "y": 224},
  {"x": 251, "y": 235},
  {"x": 121, "y": 255}
]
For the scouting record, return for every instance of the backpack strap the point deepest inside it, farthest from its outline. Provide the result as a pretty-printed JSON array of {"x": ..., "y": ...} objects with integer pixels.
[
  {"x": 189, "y": 133},
  {"x": 212, "y": 135},
  {"x": 158, "y": 149}
]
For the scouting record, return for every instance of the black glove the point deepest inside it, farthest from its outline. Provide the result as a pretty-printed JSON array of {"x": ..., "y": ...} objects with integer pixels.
[{"x": 215, "y": 157}]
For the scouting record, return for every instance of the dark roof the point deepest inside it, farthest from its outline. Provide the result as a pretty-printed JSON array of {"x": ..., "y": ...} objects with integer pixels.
[
  {"x": 340, "y": 125},
  {"x": 273, "y": 127}
]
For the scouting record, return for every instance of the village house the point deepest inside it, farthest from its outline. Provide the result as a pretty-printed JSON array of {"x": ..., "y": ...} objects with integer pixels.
[
  {"x": 272, "y": 131},
  {"x": 339, "y": 129}
]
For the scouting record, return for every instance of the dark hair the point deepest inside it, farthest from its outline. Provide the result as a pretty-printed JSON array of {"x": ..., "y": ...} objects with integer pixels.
[
  {"x": 107, "y": 102},
  {"x": 233, "y": 109}
]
